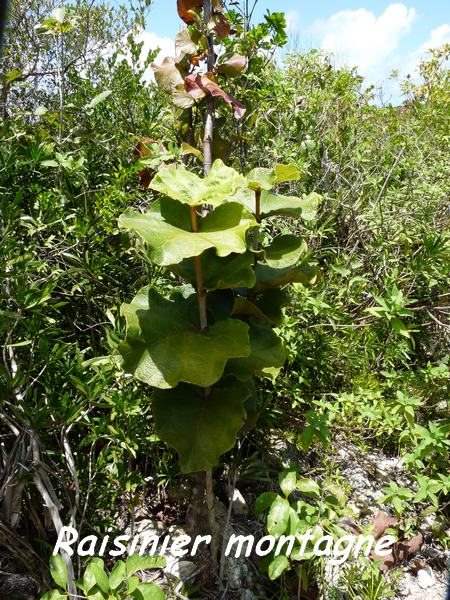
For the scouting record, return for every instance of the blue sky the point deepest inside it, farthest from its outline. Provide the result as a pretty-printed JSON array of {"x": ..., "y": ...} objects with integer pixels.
[{"x": 373, "y": 35}]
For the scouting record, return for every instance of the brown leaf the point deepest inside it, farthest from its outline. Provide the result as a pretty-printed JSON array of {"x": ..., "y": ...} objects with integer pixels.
[
  {"x": 143, "y": 149},
  {"x": 193, "y": 86},
  {"x": 350, "y": 525},
  {"x": 400, "y": 552},
  {"x": 216, "y": 91},
  {"x": 167, "y": 76},
  {"x": 184, "y": 44},
  {"x": 381, "y": 522},
  {"x": 185, "y": 7},
  {"x": 197, "y": 86},
  {"x": 222, "y": 26},
  {"x": 234, "y": 66}
]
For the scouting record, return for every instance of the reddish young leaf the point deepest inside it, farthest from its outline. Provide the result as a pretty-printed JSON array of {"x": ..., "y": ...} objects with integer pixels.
[
  {"x": 185, "y": 7},
  {"x": 216, "y": 91},
  {"x": 222, "y": 26},
  {"x": 198, "y": 85},
  {"x": 193, "y": 86}
]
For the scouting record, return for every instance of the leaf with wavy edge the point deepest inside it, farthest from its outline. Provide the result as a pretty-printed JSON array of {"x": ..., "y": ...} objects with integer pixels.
[
  {"x": 180, "y": 184},
  {"x": 164, "y": 345},
  {"x": 272, "y": 204},
  {"x": 261, "y": 179},
  {"x": 267, "y": 277},
  {"x": 266, "y": 352},
  {"x": 233, "y": 271},
  {"x": 285, "y": 173},
  {"x": 200, "y": 426},
  {"x": 284, "y": 251},
  {"x": 267, "y": 307},
  {"x": 223, "y": 229}
]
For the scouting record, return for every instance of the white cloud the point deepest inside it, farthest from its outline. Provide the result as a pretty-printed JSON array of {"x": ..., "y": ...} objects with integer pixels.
[
  {"x": 438, "y": 37},
  {"x": 153, "y": 41},
  {"x": 360, "y": 38}
]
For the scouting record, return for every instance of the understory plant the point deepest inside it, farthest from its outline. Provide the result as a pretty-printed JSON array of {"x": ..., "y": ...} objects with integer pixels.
[
  {"x": 96, "y": 583},
  {"x": 200, "y": 345}
]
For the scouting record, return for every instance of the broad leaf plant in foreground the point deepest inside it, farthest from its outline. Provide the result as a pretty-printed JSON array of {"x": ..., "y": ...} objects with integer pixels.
[{"x": 203, "y": 373}]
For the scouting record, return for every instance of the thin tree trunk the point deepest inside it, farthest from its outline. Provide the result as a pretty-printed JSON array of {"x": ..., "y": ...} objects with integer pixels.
[{"x": 208, "y": 139}]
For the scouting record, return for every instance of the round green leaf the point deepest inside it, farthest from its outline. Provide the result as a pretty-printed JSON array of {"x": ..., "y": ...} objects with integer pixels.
[
  {"x": 267, "y": 277},
  {"x": 233, "y": 271},
  {"x": 223, "y": 229},
  {"x": 286, "y": 173},
  {"x": 180, "y": 184},
  {"x": 261, "y": 179},
  {"x": 164, "y": 345},
  {"x": 285, "y": 251},
  {"x": 148, "y": 591},
  {"x": 200, "y": 425}
]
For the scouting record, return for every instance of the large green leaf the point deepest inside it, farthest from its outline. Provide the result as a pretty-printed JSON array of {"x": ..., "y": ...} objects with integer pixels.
[
  {"x": 267, "y": 307},
  {"x": 271, "y": 302},
  {"x": 199, "y": 425},
  {"x": 272, "y": 204},
  {"x": 267, "y": 277},
  {"x": 266, "y": 352},
  {"x": 148, "y": 591},
  {"x": 278, "y": 566},
  {"x": 164, "y": 346},
  {"x": 286, "y": 173},
  {"x": 233, "y": 271},
  {"x": 285, "y": 251},
  {"x": 289, "y": 206},
  {"x": 180, "y": 184},
  {"x": 223, "y": 229},
  {"x": 261, "y": 179}
]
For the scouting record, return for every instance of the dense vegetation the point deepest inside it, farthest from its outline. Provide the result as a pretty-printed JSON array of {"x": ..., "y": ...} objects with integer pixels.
[{"x": 365, "y": 333}]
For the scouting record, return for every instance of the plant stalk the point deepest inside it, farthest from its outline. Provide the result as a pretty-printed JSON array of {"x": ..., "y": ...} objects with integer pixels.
[
  {"x": 211, "y": 103},
  {"x": 209, "y": 493},
  {"x": 201, "y": 292},
  {"x": 258, "y": 218}
]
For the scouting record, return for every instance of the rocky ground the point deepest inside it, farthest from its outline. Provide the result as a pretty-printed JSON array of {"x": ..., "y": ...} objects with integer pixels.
[{"x": 420, "y": 576}]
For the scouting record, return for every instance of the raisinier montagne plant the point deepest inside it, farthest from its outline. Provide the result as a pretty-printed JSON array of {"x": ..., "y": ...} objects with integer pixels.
[{"x": 224, "y": 311}]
